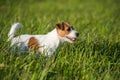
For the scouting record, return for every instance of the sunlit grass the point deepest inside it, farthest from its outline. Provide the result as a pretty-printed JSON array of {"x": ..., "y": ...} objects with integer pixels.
[{"x": 94, "y": 56}]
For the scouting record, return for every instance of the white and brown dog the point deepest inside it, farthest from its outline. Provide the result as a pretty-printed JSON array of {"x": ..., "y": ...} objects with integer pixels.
[{"x": 43, "y": 43}]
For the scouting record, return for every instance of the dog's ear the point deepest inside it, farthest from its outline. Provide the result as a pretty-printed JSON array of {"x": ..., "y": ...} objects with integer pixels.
[{"x": 60, "y": 26}]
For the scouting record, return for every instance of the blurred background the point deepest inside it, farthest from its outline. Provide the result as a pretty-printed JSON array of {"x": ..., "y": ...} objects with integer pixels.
[{"x": 94, "y": 56}]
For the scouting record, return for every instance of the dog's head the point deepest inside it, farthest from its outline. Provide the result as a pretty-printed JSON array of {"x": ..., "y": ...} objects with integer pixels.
[{"x": 67, "y": 32}]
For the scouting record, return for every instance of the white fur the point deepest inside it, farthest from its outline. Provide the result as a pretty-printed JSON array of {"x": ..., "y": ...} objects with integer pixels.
[
  {"x": 48, "y": 43},
  {"x": 13, "y": 29}
]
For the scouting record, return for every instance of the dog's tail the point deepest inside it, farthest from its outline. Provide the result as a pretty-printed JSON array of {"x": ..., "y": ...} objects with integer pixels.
[{"x": 13, "y": 29}]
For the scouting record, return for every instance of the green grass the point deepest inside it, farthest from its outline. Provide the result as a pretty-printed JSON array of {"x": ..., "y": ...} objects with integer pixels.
[{"x": 94, "y": 56}]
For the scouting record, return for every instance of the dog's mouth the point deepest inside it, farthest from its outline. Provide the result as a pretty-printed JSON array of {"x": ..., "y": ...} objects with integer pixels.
[{"x": 71, "y": 38}]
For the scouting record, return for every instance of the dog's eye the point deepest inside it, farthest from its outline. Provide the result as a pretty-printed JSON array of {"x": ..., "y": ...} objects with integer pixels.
[
  {"x": 72, "y": 28},
  {"x": 69, "y": 29}
]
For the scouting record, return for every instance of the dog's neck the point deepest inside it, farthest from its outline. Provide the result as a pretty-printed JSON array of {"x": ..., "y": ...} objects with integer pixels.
[{"x": 55, "y": 34}]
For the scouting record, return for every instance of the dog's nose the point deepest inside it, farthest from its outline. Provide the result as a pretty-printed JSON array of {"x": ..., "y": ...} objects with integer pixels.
[{"x": 77, "y": 34}]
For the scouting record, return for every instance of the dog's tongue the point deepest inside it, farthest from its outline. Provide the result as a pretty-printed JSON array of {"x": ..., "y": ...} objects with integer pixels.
[{"x": 72, "y": 39}]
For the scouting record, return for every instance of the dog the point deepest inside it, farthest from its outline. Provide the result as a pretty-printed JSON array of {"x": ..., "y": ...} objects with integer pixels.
[{"x": 46, "y": 43}]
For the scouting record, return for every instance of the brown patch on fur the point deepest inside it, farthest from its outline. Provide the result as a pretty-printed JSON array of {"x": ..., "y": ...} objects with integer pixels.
[
  {"x": 33, "y": 44},
  {"x": 62, "y": 28}
]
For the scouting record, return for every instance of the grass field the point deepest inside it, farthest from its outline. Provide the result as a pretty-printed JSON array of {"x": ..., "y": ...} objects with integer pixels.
[{"x": 94, "y": 56}]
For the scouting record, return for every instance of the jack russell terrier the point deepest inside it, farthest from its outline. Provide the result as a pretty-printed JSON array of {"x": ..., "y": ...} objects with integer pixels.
[{"x": 46, "y": 44}]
